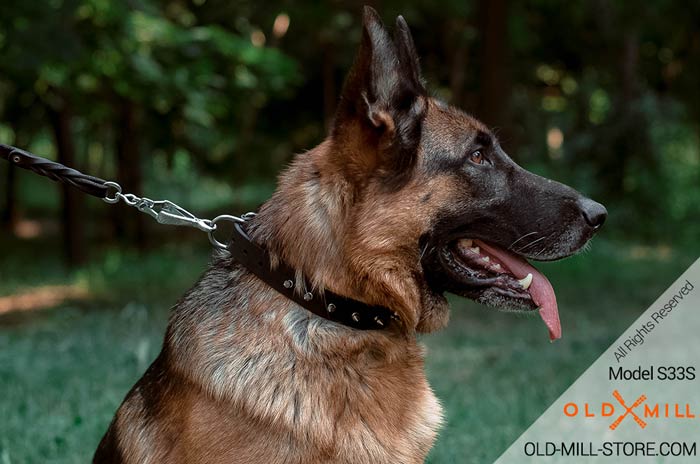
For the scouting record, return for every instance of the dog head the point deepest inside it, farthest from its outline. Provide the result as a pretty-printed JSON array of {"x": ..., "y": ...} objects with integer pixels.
[{"x": 418, "y": 198}]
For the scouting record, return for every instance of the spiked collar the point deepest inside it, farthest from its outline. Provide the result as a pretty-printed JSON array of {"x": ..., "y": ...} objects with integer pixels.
[{"x": 285, "y": 280}]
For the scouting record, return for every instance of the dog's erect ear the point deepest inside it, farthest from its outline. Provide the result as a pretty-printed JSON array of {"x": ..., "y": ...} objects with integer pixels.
[
  {"x": 408, "y": 57},
  {"x": 384, "y": 89}
]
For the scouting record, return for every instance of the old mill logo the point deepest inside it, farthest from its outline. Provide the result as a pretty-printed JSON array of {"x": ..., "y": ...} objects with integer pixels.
[{"x": 640, "y": 411}]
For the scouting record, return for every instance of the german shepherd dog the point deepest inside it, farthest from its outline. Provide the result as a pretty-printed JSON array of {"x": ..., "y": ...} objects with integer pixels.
[{"x": 407, "y": 198}]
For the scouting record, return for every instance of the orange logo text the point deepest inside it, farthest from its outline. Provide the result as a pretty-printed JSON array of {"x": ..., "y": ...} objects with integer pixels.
[{"x": 640, "y": 411}]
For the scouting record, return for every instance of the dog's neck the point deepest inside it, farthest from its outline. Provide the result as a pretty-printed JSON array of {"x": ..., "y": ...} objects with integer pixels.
[
  {"x": 305, "y": 220},
  {"x": 312, "y": 223}
]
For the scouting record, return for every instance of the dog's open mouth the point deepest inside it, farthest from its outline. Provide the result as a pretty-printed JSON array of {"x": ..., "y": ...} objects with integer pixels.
[{"x": 492, "y": 275}]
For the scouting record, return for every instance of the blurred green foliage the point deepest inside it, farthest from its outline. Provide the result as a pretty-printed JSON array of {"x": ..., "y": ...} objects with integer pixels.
[
  {"x": 602, "y": 94},
  {"x": 192, "y": 82}
]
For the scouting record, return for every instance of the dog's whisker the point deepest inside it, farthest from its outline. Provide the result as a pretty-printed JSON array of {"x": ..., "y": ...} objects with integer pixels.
[
  {"x": 422, "y": 253},
  {"x": 531, "y": 243},
  {"x": 538, "y": 254},
  {"x": 510, "y": 247}
]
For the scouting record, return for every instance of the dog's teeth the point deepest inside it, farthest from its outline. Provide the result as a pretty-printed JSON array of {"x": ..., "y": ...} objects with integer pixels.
[
  {"x": 475, "y": 250},
  {"x": 486, "y": 258},
  {"x": 497, "y": 266},
  {"x": 526, "y": 281},
  {"x": 465, "y": 242}
]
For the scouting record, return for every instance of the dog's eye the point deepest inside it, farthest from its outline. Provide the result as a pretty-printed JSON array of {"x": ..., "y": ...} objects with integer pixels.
[{"x": 476, "y": 157}]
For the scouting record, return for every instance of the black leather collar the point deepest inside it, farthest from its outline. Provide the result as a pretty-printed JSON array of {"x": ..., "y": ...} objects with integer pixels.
[{"x": 328, "y": 305}]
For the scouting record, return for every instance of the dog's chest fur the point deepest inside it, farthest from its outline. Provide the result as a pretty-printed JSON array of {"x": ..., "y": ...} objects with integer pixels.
[{"x": 252, "y": 378}]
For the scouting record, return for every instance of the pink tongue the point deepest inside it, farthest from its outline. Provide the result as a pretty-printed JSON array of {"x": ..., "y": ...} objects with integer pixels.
[{"x": 540, "y": 289}]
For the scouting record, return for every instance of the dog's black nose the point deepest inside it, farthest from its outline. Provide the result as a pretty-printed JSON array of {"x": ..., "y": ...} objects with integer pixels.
[{"x": 594, "y": 213}]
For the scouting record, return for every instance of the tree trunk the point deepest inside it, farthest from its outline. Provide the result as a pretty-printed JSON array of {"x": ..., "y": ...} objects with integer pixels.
[
  {"x": 632, "y": 122},
  {"x": 494, "y": 91},
  {"x": 72, "y": 201},
  {"x": 9, "y": 212},
  {"x": 9, "y": 215},
  {"x": 129, "y": 223},
  {"x": 460, "y": 58},
  {"x": 329, "y": 91}
]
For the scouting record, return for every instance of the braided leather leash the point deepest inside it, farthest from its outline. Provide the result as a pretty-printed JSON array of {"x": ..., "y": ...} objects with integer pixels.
[{"x": 57, "y": 172}]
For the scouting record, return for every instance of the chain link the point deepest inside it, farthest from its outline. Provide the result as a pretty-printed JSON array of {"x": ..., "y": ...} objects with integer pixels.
[{"x": 167, "y": 212}]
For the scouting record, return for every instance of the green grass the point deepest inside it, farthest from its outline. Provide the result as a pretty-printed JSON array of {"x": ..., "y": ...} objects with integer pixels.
[{"x": 64, "y": 371}]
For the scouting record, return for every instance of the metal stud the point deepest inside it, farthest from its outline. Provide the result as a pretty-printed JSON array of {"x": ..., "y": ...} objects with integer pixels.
[
  {"x": 308, "y": 296},
  {"x": 379, "y": 322},
  {"x": 288, "y": 284},
  {"x": 330, "y": 308},
  {"x": 356, "y": 317}
]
